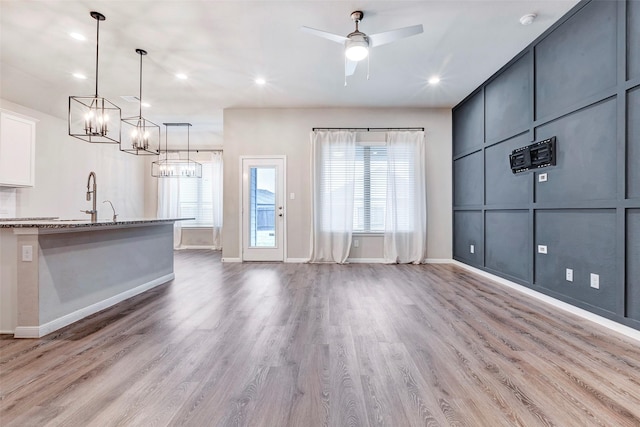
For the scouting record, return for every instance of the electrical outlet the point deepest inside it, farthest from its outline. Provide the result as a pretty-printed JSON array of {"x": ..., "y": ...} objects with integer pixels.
[
  {"x": 356, "y": 243},
  {"x": 472, "y": 249},
  {"x": 542, "y": 177},
  {"x": 595, "y": 281},
  {"x": 542, "y": 249},
  {"x": 27, "y": 253},
  {"x": 569, "y": 275}
]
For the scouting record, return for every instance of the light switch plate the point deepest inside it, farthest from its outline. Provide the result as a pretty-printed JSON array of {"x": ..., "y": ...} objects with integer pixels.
[
  {"x": 542, "y": 249},
  {"x": 542, "y": 177},
  {"x": 595, "y": 281},
  {"x": 569, "y": 275},
  {"x": 27, "y": 253},
  {"x": 472, "y": 249}
]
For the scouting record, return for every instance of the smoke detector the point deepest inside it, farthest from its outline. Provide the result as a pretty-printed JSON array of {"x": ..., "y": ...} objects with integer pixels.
[{"x": 528, "y": 19}]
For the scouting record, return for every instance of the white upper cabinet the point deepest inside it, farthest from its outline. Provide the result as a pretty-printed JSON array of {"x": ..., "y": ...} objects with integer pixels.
[{"x": 17, "y": 150}]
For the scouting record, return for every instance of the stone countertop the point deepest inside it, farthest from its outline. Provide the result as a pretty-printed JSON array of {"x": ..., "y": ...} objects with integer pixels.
[
  {"x": 35, "y": 218},
  {"x": 82, "y": 223}
]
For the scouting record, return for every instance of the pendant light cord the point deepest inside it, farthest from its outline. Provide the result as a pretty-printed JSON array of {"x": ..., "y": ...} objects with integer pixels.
[
  {"x": 97, "y": 51},
  {"x": 141, "y": 83}
]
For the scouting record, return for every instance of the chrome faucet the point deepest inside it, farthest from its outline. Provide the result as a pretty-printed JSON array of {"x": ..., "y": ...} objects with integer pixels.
[
  {"x": 94, "y": 190},
  {"x": 115, "y": 215}
]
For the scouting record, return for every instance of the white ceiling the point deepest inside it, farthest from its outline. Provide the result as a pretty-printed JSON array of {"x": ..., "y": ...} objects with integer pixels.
[{"x": 224, "y": 45}]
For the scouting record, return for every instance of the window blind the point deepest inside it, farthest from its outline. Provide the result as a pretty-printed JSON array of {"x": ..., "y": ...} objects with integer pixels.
[
  {"x": 370, "y": 190},
  {"x": 373, "y": 168},
  {"x": 196, "y": 199}
]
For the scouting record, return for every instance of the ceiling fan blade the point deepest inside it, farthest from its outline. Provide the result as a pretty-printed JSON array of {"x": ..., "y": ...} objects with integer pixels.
[
  {"x": 393, "y": 35},
  {"x": 329, "y": 36},
  {"x": 350, "y": 67}
]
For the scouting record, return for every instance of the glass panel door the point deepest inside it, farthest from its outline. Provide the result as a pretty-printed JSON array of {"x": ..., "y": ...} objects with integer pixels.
[{"x": 263, "y": 209}]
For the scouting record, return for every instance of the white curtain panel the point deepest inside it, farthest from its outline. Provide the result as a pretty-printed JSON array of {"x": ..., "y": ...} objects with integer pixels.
[
  {"x": 405, "y": 235},
  {"x": 333, "y": 169},
  {"x": 216, "y": 188},
  {"x": 168, "y": 198}
]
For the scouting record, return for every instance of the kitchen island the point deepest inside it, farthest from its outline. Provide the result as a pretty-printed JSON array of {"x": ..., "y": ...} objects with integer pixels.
[{"x": 56, "y": 272}]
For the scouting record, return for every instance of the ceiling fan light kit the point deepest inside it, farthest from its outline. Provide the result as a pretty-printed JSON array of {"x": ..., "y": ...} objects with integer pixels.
[
  {"x": 357, "y": 43},
  {"x": 356, "y": 49}
]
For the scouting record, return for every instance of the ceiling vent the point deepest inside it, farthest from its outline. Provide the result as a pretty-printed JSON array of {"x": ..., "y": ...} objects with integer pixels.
[{"x": 130, "y": 98}]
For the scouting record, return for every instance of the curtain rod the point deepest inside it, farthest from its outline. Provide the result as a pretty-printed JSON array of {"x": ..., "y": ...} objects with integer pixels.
[
  {"x": 194, "y": 150},
  {"x": 368, "y": 129}
]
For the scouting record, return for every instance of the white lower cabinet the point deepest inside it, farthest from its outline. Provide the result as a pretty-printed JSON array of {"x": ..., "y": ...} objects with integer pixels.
[{"x": 17, "y": 150}]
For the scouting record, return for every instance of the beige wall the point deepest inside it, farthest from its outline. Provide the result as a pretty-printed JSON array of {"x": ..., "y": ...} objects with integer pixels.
[
  {"x": 63, "y": 164},
  {"x": 286, "y": 132}
]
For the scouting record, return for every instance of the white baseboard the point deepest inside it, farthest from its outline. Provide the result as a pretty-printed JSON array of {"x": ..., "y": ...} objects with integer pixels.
[
  {"x": 365, "y": 260},
  {"x": 438, "y": 261},
  {"x": 382, "y": 261},
  {"x": 602, "y": 321},
  {"x": 212, "y": 248},
  {"x": 67, "y": 319},
  {"x": 296, "y": 260},
  {"x": 227, "y": 259}
]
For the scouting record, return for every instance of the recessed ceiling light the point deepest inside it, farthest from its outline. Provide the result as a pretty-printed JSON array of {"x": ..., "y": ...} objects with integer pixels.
[
  {"x": 260, "y": 81},
  {"x": 528, "y": 19},
  {"x": 79, "y": 76},
  {"x": 434, "y": 80},
  {"x": 181, "y": 76},
  {"x": 77, "y": 36}
]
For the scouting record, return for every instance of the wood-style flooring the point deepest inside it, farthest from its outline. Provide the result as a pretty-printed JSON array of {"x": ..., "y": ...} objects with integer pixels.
[{"x": 265, "y": 344}]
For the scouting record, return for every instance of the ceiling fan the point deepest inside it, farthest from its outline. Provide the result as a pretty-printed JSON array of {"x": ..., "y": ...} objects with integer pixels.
[{"x": 357, "y": 43}]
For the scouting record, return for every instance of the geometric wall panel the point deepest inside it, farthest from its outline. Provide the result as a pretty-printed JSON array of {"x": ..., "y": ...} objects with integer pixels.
[
  {"x": 633, "y": 263},
  {"x": 502, "y": 186},
  {"x": 633, "y": 39},
  {"x": 467, "y": 180},
  {"x": 586, "y": 161},
  {"x": 508, "y": 101},
  {"x": 633, "y": 143},
  {"x": 468, "y": 127},
  {"x": 508, "y": 243},
  {"x": 578, "y": 59},
  {"x": 468, "y": 226},
  {"x": 573, "y": 242},
  {"x": 576, "y": 68}
]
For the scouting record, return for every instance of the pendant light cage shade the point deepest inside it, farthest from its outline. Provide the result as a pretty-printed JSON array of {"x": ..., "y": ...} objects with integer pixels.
[
  {"x": 141, "y": 136},
  {"x": 170, "y": 164},
  {"x": 176, "y": 168},
  {"x": 93, "y": 118}
]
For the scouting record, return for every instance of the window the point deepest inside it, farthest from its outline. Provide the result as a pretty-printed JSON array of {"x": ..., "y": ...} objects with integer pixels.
[
  {"x": 196, "y": 199},
  {"x": 370, "y": 189},
  {"x": 373, "y": 166}
]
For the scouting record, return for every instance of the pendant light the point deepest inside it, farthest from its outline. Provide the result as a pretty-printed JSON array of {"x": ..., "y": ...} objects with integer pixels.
[
  {"x": 93, "y": 118},
  {"x": 170, "y": 165},
  {"x": 144, "y": 135}
]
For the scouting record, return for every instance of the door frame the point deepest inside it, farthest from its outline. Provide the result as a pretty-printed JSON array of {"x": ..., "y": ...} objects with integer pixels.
[{"x": 283, "y": 158}]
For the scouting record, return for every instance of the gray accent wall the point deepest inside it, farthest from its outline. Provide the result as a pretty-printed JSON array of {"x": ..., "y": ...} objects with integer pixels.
[{"x": 579, "y": 82}]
